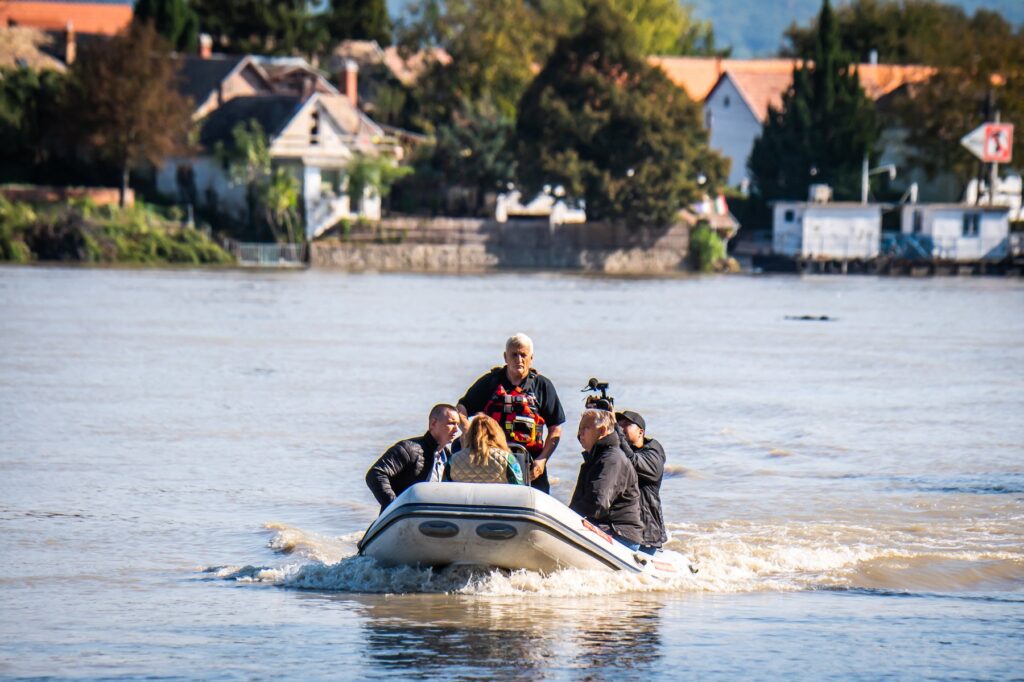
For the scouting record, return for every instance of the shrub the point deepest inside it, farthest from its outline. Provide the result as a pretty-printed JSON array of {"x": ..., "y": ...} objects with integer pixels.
[{"x": 706, "y": 248}]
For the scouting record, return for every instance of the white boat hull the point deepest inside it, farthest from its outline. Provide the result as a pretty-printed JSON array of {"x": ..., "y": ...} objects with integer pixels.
[{"x": 499, "y": 525}]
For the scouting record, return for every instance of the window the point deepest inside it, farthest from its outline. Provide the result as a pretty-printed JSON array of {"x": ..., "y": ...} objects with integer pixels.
[
  {"x": 918, "y": 223},
  {"x": 790, "y": 215},
  {"x": 971, "y": 224},
  {"x": 726, "y": 102},
  {"x": 314, "y": 128}
]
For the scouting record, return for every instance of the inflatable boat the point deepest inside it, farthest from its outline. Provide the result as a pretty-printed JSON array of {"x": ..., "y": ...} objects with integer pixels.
[{"x": 503, "y": 526}]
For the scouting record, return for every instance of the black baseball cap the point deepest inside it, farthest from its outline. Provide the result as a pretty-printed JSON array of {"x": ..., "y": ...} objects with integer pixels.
[{"x": 631, "y": 416}]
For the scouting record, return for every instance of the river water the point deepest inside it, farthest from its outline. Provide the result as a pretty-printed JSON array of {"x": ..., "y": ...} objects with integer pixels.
[{"x": 182, "y": 457}]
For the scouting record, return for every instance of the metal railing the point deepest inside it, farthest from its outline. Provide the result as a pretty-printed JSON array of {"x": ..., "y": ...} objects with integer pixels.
[{"x": 253, "y": 254}]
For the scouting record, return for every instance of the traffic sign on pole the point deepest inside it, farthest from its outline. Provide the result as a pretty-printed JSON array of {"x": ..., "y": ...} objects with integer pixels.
[{"x": 990, "y": 142}]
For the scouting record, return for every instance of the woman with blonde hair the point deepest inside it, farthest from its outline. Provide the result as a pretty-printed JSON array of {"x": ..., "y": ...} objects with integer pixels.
[{"x": 484, "y": 457}]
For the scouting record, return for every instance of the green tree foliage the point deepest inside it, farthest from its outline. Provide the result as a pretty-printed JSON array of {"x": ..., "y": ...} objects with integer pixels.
[
  {"x": 473, "y": 151},
  {"x": 493, "y": 46},
  {"x": 707, "y": 249},
  {"x": 285, "y": 27},
  {"x": 123, "y": 101},
  {"x": 30, "y": 118},
  {"x": 378, "y": 173},
  {"x": 980, "y": 61},
  {"x": 174, "y": 20},
  {"x": 822, "y": 132},
  {"x": 360, "y": 20},
  {"x": 81, "y": 231},
  {"x": 612, "y": 130},
  {"x": 272, "y": 191}
]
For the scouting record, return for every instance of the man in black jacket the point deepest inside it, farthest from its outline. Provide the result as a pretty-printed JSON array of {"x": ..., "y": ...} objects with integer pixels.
[
  {"x": 415, "y": 459},
  {"x": 648, "y": 458},
  {"x": 606, "y": 491}
]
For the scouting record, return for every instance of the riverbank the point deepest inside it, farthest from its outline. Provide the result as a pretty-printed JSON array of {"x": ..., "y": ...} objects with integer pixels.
[
  {"x": 82, "y": 232},
  {"x": 468, "y": 245}
]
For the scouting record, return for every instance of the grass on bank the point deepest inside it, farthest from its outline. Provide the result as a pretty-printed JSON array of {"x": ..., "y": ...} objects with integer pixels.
[{"x": 80, "y": 231}]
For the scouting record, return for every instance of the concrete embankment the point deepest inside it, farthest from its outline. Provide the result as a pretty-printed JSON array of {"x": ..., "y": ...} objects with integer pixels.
[{"x": 475, "y": 245}]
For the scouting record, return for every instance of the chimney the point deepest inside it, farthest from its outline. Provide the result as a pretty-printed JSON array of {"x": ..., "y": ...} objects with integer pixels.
[
  {"x": 70, "y": 45},
  {"x": 205, "y": 46},
  {"x": 307, "y": 86},
  {"x": 350, "y": 82}
]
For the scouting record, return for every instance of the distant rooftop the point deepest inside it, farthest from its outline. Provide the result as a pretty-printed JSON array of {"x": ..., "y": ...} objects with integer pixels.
[
  {"x": 763, "y": 82},
  {"x": 106, "y": 18},
  {"x": 272, "y": 112}
]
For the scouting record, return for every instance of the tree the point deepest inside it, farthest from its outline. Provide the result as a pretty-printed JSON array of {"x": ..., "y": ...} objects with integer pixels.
[
  {"x": 611, "y": 129},
  {"x": 378, "y": 173},
  {"x": 30, "y": 118},
  {"x": 825, "y": 128},
  {"x": 173, "y": 19},
  {"x": 274, "y": 190},
  {"x": 285, "y": 27},
  {"x": 980, "y": 61},
  {"x": 123, "y": 100},
  {"x": 360, "y": 20}
]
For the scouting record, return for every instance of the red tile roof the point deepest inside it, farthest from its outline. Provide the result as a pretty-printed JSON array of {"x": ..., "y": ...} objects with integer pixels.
[
  {"x": 763, "y": 81},
  {"x": 85, "y": 17}
]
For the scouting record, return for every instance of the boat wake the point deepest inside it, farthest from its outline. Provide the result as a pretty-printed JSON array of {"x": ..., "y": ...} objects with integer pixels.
[{"x": 732, "y": 557}]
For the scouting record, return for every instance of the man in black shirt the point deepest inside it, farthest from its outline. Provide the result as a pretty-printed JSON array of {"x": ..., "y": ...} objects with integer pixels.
[{"x": 524, "y": 403}]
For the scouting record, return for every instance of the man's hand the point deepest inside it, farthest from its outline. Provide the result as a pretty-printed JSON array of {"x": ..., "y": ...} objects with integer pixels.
[{"x": 537, "y": 470}]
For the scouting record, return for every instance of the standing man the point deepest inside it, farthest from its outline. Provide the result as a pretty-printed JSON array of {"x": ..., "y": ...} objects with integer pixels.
[
  {"x": 648, "y": 458},
  {"x": 523, "y": 402},
  {"x": 606, "y": 491},
  {"x": 415, "y": 460}
]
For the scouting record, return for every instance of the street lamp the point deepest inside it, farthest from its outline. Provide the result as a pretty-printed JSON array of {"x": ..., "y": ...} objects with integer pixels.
[{"x": 864, "y": 173}]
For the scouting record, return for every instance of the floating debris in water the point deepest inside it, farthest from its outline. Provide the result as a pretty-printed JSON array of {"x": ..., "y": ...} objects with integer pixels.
[{"x": 812, "y": 318}]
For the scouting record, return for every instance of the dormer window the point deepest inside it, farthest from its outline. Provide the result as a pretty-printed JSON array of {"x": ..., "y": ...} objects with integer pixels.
[{"x": 314, "y": 128}]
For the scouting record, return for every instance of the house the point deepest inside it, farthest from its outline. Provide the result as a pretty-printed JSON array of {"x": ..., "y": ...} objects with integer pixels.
[
  {"x": 315, "y": 139},
  {"x": 313, "y": 131},
  {"x": 957, "y": 232},
  {"x": 29, "y": 48},
  {"x": 103, "y": 18},
  {"x": 826, "y": 230},
  {"x": 737, "y": 93}
]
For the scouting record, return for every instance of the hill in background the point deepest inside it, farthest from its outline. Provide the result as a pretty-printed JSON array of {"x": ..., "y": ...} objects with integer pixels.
[{"x": 754, "y": 29}]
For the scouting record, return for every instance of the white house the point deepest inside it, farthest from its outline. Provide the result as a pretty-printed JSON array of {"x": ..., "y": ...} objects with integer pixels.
[
  {"x": 313, "y": 131},
  {"x": 826, "y": 230},
  {"x": 958, "y": 232},
  {"x": 315, "y": 139},
  {"x": 737, "y": 94}
]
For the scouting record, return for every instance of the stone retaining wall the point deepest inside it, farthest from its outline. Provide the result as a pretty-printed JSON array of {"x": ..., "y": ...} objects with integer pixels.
[{"x": 467, "y": 245}]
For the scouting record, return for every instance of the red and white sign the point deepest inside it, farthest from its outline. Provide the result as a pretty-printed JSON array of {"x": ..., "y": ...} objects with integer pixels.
[{"x": 991, "y": 142}]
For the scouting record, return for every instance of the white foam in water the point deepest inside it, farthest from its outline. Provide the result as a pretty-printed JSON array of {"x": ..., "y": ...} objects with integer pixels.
[{"x": 731, "y": 557}]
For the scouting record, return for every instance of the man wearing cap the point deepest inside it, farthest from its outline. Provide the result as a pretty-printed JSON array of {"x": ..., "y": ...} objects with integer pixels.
[{"x": 648, "y": 458}]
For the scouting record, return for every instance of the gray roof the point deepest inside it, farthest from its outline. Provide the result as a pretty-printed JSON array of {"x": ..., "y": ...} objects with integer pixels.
[
  {"x": 272, "y": 112},
  {"x": 199, "y": 77}
]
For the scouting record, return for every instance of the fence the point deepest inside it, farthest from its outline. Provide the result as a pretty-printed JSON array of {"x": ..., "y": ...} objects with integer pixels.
[{"x": 251, "y": 254}]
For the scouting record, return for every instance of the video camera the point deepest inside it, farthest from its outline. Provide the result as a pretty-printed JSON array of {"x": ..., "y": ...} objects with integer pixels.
[{"x": 601, "y": 402}]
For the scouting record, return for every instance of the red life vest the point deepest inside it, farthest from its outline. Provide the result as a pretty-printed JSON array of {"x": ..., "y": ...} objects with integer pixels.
[{"x": 516, "y": 412}]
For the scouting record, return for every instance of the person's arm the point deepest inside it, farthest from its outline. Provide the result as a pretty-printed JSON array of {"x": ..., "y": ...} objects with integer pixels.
[
  {"x": 554, "y": 416},
  {"x": 540, "y": 462},
  {"x": 378, "y": 478},
  {"x": 648, "y": 460}
]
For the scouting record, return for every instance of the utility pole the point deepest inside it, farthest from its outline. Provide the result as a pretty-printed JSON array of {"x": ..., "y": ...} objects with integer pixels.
[{"x": 994, "y": 175}]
